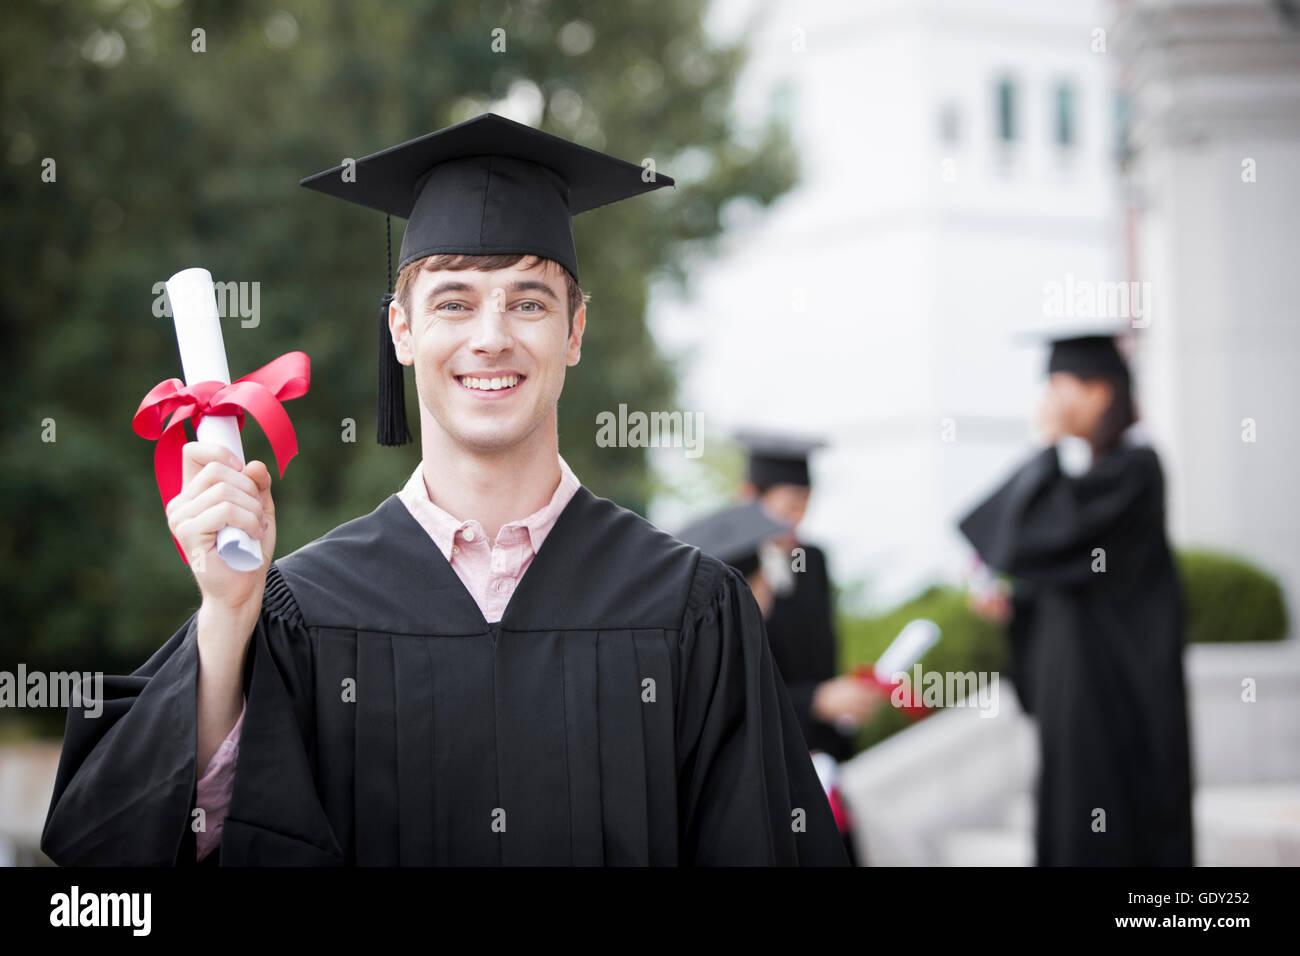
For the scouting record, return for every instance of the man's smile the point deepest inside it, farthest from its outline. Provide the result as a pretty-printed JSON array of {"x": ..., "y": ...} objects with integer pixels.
[{"x": 491, "y": 384}]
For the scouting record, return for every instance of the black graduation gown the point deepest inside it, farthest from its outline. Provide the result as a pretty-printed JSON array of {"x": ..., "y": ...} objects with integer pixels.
[
  {"x": 625, "y": 710},
  {"x": 801, "y": 631},
  {"x": 1103, "y": 651}
]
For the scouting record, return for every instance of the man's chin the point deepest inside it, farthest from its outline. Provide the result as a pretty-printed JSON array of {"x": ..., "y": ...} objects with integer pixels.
[{"x": 491, "y": 441}]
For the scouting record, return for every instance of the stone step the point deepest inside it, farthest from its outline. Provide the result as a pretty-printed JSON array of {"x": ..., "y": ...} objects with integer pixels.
[
  {"x": 986, "y": 846},
  {"x": 1249, "y": 825}
]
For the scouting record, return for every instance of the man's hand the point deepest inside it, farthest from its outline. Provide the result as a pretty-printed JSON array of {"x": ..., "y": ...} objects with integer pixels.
[
  {"x": 845, "y": 700},
  {"x": 993, "y": 605},
  {"x": 217, "y": 493}
]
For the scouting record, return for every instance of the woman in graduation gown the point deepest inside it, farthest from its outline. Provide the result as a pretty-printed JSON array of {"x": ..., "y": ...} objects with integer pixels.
[{"x": 1097, "y": 624}]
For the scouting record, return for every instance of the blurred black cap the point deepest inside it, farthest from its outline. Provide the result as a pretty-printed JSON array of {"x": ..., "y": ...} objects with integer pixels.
[
  {"x": 1088, "y": 356},
  {"x": 734, "y": 535},
  {"x": 777, "y": 458}
]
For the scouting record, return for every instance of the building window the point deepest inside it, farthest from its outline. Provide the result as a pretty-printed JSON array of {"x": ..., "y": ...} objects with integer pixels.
[
  {"x": 1007, "y": 110},
  {"x": 950, "y": 124},
  {"x": 1063, "y": 115}
]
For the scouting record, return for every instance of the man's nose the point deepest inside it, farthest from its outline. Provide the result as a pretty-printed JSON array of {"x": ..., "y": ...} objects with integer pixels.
[{"x": 492, "y": 330}]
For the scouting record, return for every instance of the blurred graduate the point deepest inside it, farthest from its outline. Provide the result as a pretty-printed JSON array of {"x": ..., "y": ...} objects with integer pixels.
[
  {"x": 754, "y": 543},
  {"x": 801, "y": 623},
  {"x": 1095, "y": 620},
  {"x": 495, "y": 666}
]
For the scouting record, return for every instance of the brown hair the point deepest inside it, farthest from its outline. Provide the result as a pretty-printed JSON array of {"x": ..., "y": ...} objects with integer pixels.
[
  {"x": 1119, "y": 415},
  {"x": 457, "y": 262}
]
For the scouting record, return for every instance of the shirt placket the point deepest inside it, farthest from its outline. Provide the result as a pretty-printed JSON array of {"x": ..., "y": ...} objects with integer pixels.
[{"x": 507, "y": 556}]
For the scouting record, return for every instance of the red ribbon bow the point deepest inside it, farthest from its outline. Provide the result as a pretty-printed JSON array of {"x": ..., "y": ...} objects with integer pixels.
[
  {"x": 914, "y": 707},
  {"x": 260, "y": 393}
]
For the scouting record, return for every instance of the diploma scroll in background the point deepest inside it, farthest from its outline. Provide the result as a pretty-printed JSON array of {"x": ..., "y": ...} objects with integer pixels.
[{"x": 203, "y": 358}]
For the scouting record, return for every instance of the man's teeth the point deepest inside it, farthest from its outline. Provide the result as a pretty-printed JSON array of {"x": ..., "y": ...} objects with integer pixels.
[{"x": 490, "y": 384}]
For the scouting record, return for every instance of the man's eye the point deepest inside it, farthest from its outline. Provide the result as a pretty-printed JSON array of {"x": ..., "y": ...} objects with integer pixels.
[
  {"x": 451, "y": 307},
  {"x": 530, "y": 306}
]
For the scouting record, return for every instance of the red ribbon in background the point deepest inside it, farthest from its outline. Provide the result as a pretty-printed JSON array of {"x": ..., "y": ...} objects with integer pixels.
[
  {"x": 259, "y": 393},
  {"x": 915, "y": 708}
]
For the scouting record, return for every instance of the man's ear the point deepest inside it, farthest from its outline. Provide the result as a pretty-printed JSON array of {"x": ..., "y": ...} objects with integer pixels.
[
  {"x": 401, "y": 333},
  {"x": 574, "y": 351}
]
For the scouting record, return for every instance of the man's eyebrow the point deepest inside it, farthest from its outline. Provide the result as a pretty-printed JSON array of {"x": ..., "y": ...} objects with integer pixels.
[
  {"x": 449, "y": 286},
  {"x": 532, "y": 285}
]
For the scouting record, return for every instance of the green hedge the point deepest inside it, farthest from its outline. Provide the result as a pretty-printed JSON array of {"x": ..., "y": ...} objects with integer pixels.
[{"x": 1225, "y": 599}]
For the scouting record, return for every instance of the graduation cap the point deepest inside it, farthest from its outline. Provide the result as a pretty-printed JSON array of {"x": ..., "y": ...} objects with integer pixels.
[
  {"x": 1088, "y": 356},
  {"x": 1088, "y": 350},
  {"x": 486, "y": 186},
  {"x": 778, "y": 459},
  {"x": 734, "y": 535}
]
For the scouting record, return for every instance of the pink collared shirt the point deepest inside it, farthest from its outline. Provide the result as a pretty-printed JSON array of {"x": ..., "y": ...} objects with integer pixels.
[{"x": 490, "y": 571}]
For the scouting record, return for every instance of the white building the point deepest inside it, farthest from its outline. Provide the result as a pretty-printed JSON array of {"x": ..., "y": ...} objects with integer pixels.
[{"x": 957, "y": 157}]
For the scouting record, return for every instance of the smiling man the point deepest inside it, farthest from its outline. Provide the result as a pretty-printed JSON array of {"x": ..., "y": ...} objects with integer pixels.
[{"x": 494, "y": 666}]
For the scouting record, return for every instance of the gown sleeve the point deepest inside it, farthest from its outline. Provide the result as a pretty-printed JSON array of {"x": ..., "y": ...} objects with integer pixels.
[
  {"x": 801, "y": 693},
  {"x": 124, "y": 789},
  {"x": 749, "y": 793},
  {"x": 276, "y": 817},
  {"x": 126, "y": 786},
  {"x": 1044, "y": 526}
]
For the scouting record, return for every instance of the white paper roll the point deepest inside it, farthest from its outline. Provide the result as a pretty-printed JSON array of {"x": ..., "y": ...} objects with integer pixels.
[
  {"x": 917, "y": 637},
  {"x": 203, "y": 359}
]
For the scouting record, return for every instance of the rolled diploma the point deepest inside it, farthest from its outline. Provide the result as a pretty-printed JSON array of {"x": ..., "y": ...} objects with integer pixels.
[
  {"x": 203, "y": 358},
  {"x": 916, "y": 637},
  {"x": 907, "y": 648}
]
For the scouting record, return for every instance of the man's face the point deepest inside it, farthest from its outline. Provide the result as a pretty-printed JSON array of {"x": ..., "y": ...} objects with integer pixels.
[
  {"x": 786, "y": 503},
  {"x": 489, "y": 349}
]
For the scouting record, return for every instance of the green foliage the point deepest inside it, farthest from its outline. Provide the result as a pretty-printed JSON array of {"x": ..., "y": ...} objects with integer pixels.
[
  {"x": 168, "y": 158},
  {"x": 1228, "y": 599}
]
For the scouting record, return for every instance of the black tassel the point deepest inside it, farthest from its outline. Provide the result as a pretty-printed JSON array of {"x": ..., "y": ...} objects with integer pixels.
[
  {"x": 392, "y": 386},
  {"x": 391, "y": 427}
]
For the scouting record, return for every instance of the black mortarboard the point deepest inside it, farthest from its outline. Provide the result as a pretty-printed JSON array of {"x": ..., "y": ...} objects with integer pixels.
[
  {"x": 1088, "y": 356},
  {"x": 778, "y": 459},
  {"x": 486, "y": 186},
  {"x": 734, "y": 535}
]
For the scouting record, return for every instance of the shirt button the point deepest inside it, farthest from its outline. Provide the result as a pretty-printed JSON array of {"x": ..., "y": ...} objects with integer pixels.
[
  {"x": 455, "y": 549},
  {"x": 468, "y": 534},
  {"x": 501, "y": 585}
]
